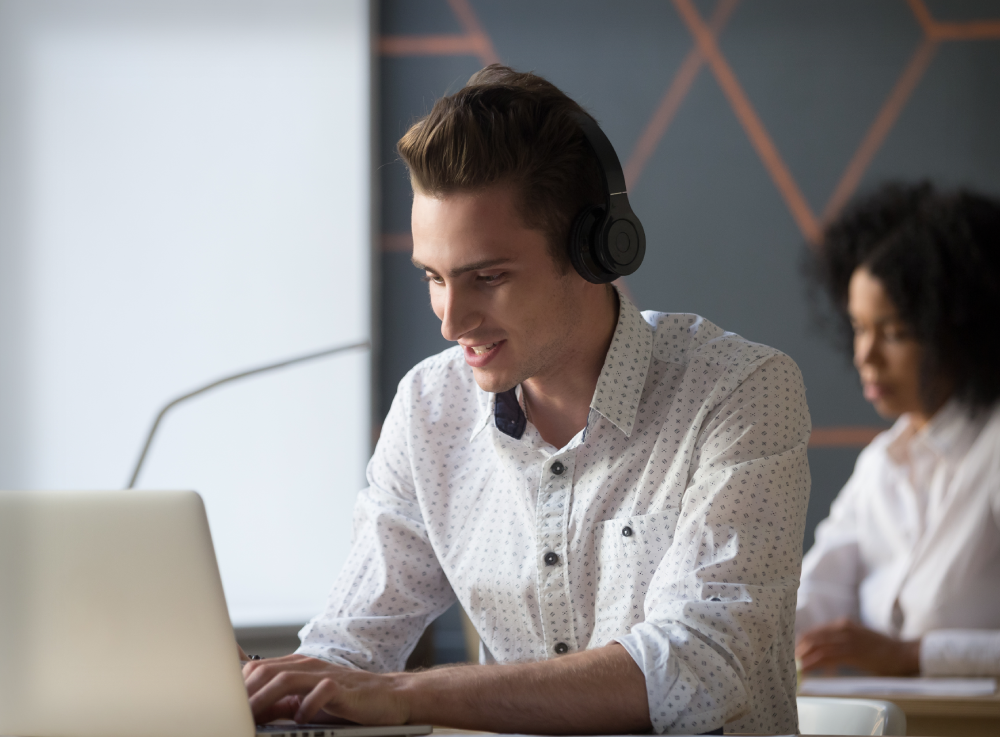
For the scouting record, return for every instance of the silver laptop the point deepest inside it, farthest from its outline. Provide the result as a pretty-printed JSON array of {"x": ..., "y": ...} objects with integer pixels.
[{"x": 113, "y": 622}]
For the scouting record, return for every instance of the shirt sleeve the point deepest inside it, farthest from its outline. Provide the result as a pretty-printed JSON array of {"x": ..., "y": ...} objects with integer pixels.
[
  {"x": 960, "y": 653},
  {"x": 831, "y": 570},
  {"x": 720, "y": 605},
  {"x": 392, "y": 586}
]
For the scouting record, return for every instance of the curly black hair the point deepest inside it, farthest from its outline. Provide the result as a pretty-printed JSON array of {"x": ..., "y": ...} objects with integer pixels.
[{"x": 937, "y": 254}]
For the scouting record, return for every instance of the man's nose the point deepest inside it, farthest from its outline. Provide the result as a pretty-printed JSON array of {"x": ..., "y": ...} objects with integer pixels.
[{"x": 459, "y": 314}]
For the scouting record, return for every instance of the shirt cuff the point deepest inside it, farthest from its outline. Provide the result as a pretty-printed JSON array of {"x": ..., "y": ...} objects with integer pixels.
[
  {"x": 325, "y": 654},
  {"x": 960, "y": 653},
  {"x": 677, "y": 701},
  {"x": 661, "y": 673}
]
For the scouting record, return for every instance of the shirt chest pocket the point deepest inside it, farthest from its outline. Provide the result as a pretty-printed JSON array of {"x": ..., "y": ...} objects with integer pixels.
[{"x": 628, "y": 551}]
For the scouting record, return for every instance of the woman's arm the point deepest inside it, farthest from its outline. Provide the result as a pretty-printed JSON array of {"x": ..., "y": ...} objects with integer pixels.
[{"x": 960, "y": 653}]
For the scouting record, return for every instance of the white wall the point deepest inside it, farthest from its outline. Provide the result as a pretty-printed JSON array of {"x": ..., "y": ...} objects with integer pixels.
[{"x": 185, "y": 192}]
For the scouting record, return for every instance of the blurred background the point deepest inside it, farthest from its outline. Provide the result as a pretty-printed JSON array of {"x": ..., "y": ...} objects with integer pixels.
[
  {"x": 264, "y": 135},
  {"x": 185, "y": 193}
]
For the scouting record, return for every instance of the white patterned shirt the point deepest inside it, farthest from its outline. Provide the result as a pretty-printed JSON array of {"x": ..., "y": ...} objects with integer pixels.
[{"x": 672, "y": 524}]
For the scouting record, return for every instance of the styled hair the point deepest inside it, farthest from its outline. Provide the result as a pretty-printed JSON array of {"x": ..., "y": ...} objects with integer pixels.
[
  {"x": 508, "y": 128},
  {"x": 937, "y": 254}
]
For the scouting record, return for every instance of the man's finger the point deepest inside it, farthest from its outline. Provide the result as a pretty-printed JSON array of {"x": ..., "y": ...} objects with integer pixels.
[
  {"x": 259, "y": 672},
  {"x": 256, "y": 673},
  {"x": 284, "y": 708},
  {"x": 285, "y": 683},
  {"x": 323, "y": 696}
]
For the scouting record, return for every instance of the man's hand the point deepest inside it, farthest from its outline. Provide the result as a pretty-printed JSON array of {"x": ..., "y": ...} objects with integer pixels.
[
  {"x": 847, "y": 643},
  {"x": 600, "y": 691},
  {"x": 310, "y": 690}
]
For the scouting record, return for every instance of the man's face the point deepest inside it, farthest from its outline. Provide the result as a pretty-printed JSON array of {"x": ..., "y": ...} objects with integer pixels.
[{"x": 494, "y": 286}]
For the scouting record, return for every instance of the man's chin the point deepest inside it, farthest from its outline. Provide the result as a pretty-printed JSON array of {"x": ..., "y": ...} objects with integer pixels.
[{"x": 495, "y": 382}]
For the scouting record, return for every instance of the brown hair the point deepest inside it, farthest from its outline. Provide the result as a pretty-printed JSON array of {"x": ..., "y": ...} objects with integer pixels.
[{"x": 507, "y": 127}]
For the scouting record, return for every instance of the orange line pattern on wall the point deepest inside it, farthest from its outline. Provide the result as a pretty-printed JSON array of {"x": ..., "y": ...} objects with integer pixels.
[
  {"x": 476, "y": 41},
  {"x": 397, "y": 243},
  {"x": 879, "y": 130},
  {"x": 751, "y": 123},
  {"x": 672, "y": 99},
  {"x": 843, "y": 437},
  {"x": 430, "y": 45}
]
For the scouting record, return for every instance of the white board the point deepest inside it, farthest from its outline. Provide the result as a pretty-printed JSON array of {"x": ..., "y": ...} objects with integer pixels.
[{"x": 185, "y": 192}]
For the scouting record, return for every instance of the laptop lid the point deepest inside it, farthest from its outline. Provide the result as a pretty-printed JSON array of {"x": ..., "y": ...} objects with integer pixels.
[{"x": 113, "y": 621}]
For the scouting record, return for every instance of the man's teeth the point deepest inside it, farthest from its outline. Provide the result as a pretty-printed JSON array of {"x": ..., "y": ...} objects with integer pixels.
[{"x": 481, "y": 349}]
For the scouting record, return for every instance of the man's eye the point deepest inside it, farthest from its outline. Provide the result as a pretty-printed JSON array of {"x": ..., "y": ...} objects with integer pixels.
[
  {"x": 490, "y": 278},
  {"x": 432, "y": 278}
]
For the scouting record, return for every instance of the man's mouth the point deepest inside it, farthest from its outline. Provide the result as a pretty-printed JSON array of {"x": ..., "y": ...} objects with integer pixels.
[
  {"x": 480, "y": 350},
  {"x": 477, "y": 356}
]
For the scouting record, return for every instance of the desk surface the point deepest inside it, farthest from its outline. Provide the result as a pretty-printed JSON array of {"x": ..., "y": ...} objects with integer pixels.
[
  {"x": 448, "y": 732},
  {"x": 930, "y": 704},
  {"x": 926, "y": 716}
]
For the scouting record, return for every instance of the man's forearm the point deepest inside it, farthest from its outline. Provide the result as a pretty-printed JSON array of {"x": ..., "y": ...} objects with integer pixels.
[{"x": 596, "y": 691}]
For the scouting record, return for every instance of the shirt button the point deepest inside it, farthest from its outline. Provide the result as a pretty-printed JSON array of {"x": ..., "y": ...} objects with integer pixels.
[
  {"x": 561, "y": 648},
  {"x": 551, "y": 559},
  {"x": 558, "y": 468},
  {"x": 626, "y": 531}
]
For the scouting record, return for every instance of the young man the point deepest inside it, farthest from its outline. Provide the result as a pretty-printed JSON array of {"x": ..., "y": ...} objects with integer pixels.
[{"x": 616, "y": 499}]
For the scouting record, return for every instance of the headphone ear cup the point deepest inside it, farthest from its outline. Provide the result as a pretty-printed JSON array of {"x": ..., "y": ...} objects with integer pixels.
[{"x": 582, "y": 233}]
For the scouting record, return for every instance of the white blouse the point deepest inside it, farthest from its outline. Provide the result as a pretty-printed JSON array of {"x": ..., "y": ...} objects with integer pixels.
[{"x": 912, "y": 544}]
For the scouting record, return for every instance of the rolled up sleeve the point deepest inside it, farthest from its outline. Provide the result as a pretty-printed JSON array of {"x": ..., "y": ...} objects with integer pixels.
[{"x": 960, "y": 653}]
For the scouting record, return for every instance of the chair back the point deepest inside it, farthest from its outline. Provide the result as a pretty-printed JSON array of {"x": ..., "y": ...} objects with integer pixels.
[{"x": 824, "y": 715}]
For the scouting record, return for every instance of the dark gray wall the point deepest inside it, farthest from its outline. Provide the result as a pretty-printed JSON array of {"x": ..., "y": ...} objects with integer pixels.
[{"x": 723, "y": 240}]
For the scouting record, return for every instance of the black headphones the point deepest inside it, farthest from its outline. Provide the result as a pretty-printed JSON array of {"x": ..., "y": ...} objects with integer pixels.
[{"x": 607, "y": 243}]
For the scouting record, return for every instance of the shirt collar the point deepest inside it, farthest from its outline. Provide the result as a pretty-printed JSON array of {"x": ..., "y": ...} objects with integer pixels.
[
  {"x": 487, "y": 406},
  {"x": 623, "y": 375},
  {"x": 508, "y": 415},
  {"x": 950, "y": 432},
  {"x": 504, "y": 410},
  {"x": 619, "y": 387}
]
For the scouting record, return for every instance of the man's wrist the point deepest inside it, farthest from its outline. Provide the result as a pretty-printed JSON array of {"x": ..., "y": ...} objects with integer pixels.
[
  {"x": 406, "y": 686},
  {"x": 433, "y": 696}
]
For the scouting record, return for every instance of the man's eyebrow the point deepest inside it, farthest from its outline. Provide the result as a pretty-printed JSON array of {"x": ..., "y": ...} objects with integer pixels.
[{"x": 478, "y": 265}]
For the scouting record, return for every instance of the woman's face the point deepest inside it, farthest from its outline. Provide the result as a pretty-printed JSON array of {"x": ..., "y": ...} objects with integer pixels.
[{"x": 886, "y": 354}]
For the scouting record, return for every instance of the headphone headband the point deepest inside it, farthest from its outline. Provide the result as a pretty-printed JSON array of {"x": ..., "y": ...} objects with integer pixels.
[{"x": 614, "y": 177}]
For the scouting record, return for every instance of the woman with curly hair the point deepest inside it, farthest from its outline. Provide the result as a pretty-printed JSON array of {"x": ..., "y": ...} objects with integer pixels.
[{"x": 904, "y": 577}]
